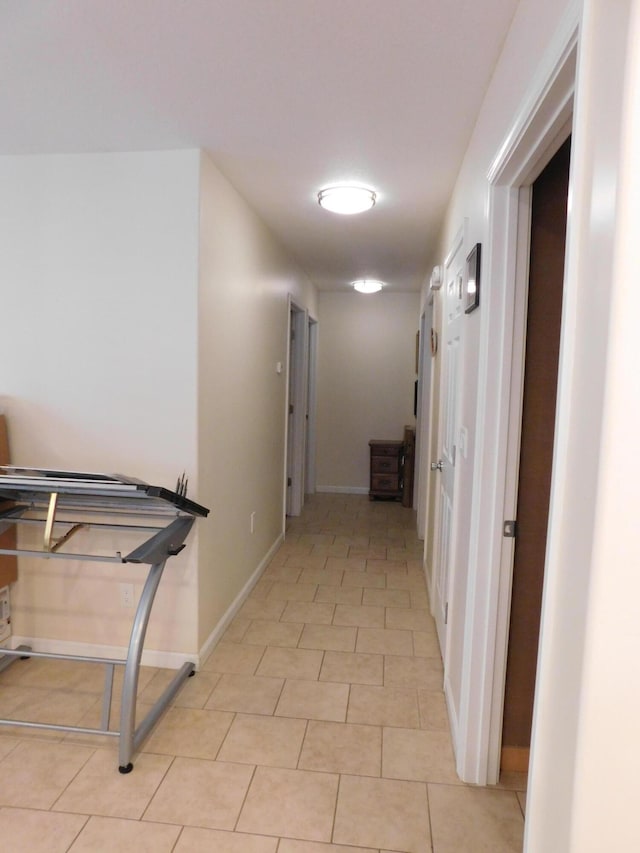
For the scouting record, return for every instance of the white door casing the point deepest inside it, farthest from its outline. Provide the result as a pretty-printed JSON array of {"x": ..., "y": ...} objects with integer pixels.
[
  {"x": 453, "y": 315},
  {"x": 310, "y": 445},
  {"x": 423, "y": 426}
]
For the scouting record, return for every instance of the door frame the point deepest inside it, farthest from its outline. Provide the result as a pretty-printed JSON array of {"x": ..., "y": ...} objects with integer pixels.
[
  {"x": 312, "y": 369},
  {"x": 543, "y": 122},
  {"x": 423, "y": 425},
  {"x": 458, "y": 245},
  {"x": 297, "y": 396}
]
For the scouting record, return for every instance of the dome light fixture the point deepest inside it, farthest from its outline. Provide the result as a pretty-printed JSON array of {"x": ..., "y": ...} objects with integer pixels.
[
  {"x": 367, "y": 285},
  {"x": 346, "y": 199}
]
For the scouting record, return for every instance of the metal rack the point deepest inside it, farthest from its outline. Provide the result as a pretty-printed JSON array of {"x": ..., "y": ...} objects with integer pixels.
[{"x": 66, "y": 502}]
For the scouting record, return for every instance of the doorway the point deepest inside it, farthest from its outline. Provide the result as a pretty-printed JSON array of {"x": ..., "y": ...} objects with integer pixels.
[
  {"x": 539, "y": 128},
  {"x": 445, "y": 467},
  {"x": 423, "y": 411},
  {"x": 549, "y": 196},
  {"x": 300, "y": 417}
]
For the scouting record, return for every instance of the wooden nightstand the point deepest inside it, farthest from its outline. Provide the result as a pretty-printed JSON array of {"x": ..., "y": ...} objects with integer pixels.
[{"x": 386, "y": 469}]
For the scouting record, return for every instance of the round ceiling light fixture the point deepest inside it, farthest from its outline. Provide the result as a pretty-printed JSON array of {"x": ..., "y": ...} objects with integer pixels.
[
  {"x": 367, "y": 285},
  {"x": 346, "y": 199}
]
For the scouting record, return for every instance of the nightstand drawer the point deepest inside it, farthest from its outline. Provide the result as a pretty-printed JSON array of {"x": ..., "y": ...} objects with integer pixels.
[
  {"x": 384, "y": 483},
  {"x": 385, "y": 448},
  {"x": 385, "y": 464},
  {"x": 385, "y": 473}
]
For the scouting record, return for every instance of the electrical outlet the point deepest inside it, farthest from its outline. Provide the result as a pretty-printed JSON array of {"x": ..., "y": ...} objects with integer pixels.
[
  {"x": 252, "y": 522},
  {"x": 126, "y": 595}
]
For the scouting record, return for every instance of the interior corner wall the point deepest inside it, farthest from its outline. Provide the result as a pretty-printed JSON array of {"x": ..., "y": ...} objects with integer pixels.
[
  {"x": 245, "y": 281},
  {"x": 366, "y": 376},
  {"x": 98, "y": 263}
]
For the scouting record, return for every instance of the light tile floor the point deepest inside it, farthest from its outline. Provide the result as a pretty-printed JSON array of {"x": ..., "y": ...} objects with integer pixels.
[{"x": 317, "y": 725}]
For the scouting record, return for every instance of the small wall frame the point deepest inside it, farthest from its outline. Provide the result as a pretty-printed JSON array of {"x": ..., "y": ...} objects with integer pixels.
[{"x": 472, "y": 294}]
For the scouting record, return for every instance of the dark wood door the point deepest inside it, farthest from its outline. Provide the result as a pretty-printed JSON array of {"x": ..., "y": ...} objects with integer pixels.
[{"x": 546, "y": 272}]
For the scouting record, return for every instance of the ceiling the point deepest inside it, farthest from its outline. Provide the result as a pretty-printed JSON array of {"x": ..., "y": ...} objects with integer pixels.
[{"x": 287, "y": 96}]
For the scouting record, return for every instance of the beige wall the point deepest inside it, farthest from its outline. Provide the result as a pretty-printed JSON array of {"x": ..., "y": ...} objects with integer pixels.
[
  {"x": 366, "y": 374},
  {"x": 98, "y": 264},
  {"x": 245, "y": 280}
]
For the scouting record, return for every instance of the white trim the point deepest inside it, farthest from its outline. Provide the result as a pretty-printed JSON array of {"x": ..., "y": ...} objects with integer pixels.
[
  {"x": 444, "y": 630},
  {"x": 310, "y": 450},
  {"x": 150, "y": 657},
  {"x": 216, "y": 635},
  {"x": 535, "y": 135},
  {"x": 343, "y": 490}
]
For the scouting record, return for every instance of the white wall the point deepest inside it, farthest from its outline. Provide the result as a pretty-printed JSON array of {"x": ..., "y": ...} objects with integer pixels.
[
  {"x": 98, "y": 271},
  {"x": 245, "y": 279},
  {"x": 366, "y": 375}
]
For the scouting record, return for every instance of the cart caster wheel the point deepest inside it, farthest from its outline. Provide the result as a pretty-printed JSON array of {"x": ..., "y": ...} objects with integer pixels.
[
  {"x": 126, "y": 769},
  {"x": 192, "y": 673}
]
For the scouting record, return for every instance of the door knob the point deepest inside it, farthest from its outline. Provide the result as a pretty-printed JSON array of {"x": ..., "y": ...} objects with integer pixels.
[{"x": 436, "y": 466}]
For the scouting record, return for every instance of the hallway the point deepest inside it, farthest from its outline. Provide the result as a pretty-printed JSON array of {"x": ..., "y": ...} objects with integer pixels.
[{"x": 318, "y": 724}]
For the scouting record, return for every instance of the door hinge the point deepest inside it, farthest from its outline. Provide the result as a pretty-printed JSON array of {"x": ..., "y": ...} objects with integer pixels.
[
  {"x": 291, "y": 408},
  {"x": 288, "y": 481},
  {"x": 509, "y": 529},
  {"x": 446, "y": 613}
]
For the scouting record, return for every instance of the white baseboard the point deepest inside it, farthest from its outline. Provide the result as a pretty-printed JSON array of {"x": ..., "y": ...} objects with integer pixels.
[
  {"x": 150, "y": 657},
  {"x": 453, "y": 717},
  {"x": 343, "y": 490},
  {"x": 214, "y": 637}
]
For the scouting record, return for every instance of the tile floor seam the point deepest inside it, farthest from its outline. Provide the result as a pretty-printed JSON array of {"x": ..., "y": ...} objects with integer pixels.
[
  {"x": 257, "y": 666},
  {"x": 244, "y": 799},
  {"x": 80, "y": 831},
  {"x": 164, "y": 776},
  {"x": 335, "y": 810},
  {"x": 302, "y": 742},
  {"x": 84, "y": 763},
  {"x": 177, "y": 841}
]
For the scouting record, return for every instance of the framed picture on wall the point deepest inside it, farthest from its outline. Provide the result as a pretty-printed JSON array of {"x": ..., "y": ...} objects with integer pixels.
[{"x": 472, "y": 295}]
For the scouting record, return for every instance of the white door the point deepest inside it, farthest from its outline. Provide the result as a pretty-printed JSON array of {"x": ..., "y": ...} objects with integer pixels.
[
  {"x": 444, "y": 467},
  {"x": 298, "y": 372}
]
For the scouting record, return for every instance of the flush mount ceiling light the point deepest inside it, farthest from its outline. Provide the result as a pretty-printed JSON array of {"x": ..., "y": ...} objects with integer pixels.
[
  {"x": 346, "y": 199},
  {"x": 367, "y": 285}
]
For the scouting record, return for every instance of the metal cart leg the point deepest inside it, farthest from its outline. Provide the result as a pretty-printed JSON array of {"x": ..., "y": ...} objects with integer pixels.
[{"x": 132, "y": 667}]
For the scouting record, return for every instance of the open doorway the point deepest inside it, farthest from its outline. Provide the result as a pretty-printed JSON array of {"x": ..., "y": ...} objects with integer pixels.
[
  {"x": 300, "y": 421},
  {"x": 538, "y": 131},
  {"x": 549, "y": 196},
  {"x": 310, "y": 445}
]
